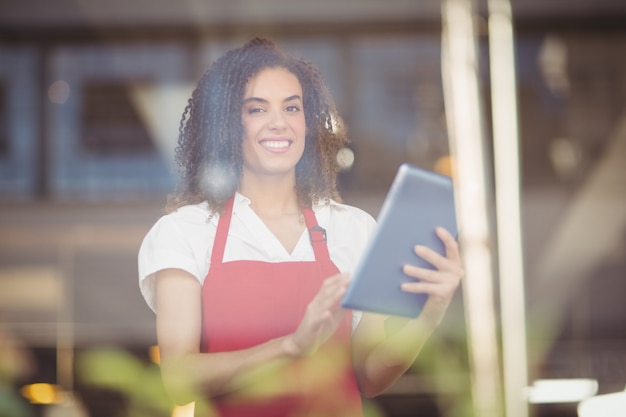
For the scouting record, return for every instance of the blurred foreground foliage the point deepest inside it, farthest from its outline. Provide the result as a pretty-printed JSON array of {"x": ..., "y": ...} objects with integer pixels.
[
  {"x": 119, "y": 371},
  {"x": 443, "y": 366},
  {"x": 15, "y": 363}
]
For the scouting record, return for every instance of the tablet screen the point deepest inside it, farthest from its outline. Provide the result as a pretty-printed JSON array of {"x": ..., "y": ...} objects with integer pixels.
[{"x": 418, "y": 201}]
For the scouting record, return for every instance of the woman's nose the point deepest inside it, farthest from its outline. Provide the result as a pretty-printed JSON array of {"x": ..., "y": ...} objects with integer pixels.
[{"x": 277, "y": 120}]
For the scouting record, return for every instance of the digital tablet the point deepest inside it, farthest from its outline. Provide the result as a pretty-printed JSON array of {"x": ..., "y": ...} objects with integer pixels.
[{"x": 418, "y": 201}]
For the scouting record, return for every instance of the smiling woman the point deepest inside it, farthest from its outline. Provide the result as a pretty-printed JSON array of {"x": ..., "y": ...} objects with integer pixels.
[
  {"x": 247, "y": 270},
  {"x": 274, "y": 126},
  {"x": 223, "y": 102}
]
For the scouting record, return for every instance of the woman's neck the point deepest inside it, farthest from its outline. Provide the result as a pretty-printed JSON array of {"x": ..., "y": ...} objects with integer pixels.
[{"x": 271, "y": 195}]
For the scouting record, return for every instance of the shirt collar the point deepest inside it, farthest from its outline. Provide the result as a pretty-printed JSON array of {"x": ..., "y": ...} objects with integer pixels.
[
  {"x": 241, "y": 200},
  {"x": 321, "y": 207}
]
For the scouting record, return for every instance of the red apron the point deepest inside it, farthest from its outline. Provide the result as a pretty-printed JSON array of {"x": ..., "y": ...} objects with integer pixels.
[{"x": 246, "y": 303}]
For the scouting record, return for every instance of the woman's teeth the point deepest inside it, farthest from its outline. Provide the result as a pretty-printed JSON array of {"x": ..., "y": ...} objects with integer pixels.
[{"x": 275, "y": 144}]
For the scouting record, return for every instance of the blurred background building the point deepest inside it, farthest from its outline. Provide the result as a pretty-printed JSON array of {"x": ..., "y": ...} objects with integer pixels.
[{"x": 91, "y": 94}]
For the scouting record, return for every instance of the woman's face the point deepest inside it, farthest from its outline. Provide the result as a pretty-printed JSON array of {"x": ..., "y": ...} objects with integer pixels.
[{"x": 274, "y": 123}]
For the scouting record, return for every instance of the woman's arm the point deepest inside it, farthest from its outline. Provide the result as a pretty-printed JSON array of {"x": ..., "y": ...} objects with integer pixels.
[
  {"x": 379, "y": 359},
  {"x": 186, "y": 370}
]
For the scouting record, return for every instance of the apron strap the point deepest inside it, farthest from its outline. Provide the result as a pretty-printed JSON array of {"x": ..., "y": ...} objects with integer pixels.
[
  {"x": 317, "y": 235},
  {"x": 223, "y": 224}
]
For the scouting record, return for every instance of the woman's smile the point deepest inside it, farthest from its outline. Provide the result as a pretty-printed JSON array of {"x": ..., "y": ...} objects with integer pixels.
[
  {"x": 275, "y": 145},
  {"x": 274, "y": 124}
]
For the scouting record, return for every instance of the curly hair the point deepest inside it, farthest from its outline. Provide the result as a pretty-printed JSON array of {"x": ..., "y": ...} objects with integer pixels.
[{"x": 209, "y": 152}]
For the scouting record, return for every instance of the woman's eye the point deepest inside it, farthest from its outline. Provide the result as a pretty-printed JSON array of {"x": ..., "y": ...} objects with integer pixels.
[
  {"x": 293, "y": 108},
  {"x": 253, "y": 110}
]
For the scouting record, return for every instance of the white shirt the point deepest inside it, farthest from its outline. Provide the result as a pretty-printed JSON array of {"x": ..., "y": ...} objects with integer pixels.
[{"x": 184, "y": 239}]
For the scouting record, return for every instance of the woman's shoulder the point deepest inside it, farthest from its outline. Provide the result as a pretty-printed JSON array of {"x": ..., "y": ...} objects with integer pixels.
[
  {"x": 184, "y": 219},
  {"x": 344, "y": 213},
  {"x": 190, "y": 210},
  {"x": 199, "y": 212}
]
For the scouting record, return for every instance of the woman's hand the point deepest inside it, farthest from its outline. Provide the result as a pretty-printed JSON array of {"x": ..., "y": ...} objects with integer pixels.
[
  {"x": 380, "y": 358},
  {"x": 439, "y": 284},
  {"x": 323, "y": 316}
]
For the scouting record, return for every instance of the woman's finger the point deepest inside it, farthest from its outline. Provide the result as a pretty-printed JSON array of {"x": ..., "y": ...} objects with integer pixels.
[
  {"x": 422, "y": 274},
  {"x": 441, "y": 263},
  {"x": 432, "y": 289},
  {"x": 332, "y": 290},
  {"x": 450, "y": 243}
]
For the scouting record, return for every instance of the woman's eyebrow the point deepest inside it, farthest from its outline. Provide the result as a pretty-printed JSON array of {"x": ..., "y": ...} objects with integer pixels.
[
  {"x": 255, "y": 99},
  {"x": 294, "y": 97},
  {"x": 262, "y": 100}
]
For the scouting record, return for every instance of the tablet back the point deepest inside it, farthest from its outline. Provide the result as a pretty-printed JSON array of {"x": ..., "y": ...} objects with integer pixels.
[{"x": 417, "y": 202}]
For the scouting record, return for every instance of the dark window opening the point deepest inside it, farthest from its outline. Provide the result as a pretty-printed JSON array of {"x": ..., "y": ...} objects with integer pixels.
[
  {"x": 112, "y": 124},
  {"x": 4, "y": 128}
]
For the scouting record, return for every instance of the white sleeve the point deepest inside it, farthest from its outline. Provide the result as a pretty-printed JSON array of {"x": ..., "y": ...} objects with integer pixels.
[
  {"x": 364, "y": 231},
  {"x": 165, "y": 246}
]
